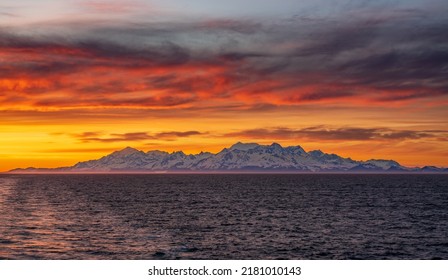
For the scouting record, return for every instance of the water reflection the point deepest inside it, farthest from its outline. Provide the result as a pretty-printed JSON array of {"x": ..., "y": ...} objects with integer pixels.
[{"x": 223, "y": 216}]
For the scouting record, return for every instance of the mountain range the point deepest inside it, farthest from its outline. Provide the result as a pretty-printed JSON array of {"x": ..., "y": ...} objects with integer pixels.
[{"x": 240, "y": 157}]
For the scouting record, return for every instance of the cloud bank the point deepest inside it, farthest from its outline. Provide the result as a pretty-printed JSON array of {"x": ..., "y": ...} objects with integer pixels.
[{"x": 395, "y": 56}]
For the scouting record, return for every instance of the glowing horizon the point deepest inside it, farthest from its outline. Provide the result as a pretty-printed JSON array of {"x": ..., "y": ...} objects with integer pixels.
[{"x": 83, "y": 78}]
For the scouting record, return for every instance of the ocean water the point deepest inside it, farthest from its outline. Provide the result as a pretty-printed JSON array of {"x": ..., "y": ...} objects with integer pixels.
[{"x": 224, "y": 216}]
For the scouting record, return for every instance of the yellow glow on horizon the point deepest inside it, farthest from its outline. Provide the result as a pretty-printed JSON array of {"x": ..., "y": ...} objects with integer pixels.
[
  {"x": 53, "y": 138},
  {"x": 47, "y": 150}
]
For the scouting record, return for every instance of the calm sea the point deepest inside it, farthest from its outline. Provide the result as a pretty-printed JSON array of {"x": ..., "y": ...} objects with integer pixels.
[{"x": 224, "y": 216}]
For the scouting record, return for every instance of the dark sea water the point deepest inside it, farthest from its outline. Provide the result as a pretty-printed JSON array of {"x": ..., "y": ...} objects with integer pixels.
[{"x": 224, "y": 216}]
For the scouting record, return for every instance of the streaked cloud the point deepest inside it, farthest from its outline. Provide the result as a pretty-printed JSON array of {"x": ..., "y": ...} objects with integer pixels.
[
  {"x": 380, "y": 58},
  {"x": 318, "y": 133},
  {"x": 133, "y": 136},
  {"x": 321, "y": 133}
]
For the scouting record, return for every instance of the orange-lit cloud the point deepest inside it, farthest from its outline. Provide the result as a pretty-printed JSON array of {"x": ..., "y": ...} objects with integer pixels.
[
  {"x": 133, "y": 136},
  {"x": 93, "y": 71},
  {"x": 325, "y": 134}
]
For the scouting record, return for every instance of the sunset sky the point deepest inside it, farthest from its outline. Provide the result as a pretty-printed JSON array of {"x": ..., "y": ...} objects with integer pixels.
[{"x": 82, "y": 78}]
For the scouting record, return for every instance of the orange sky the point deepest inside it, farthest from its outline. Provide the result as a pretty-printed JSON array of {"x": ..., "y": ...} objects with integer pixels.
[{"x": 76, "y": 88}]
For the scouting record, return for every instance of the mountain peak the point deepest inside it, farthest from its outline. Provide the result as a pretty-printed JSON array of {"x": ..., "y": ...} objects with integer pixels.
[
  {"x": 243, "y": 146},
  {"x": 276, "y": 145},
  {"x": 127, "y": 151},
  {"x": 317, "y": 153},
  {"x": 296, "y": 150},
  {"x": 383, "y": 163},
  {"x": 178, "y": 153}
]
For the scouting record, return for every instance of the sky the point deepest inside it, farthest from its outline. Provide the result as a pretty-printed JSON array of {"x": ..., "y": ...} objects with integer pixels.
[{"x": 362, "y": 79}]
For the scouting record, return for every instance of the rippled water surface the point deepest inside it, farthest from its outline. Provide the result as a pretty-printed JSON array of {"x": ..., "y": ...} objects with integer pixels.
[{"x": 224, "y": 216}]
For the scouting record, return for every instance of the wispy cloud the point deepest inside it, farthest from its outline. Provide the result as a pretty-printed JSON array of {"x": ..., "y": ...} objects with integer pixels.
[
  {"x": 321, "y": 133},
  {"x": 177, "y": 134},
  {"x": 133, "y": 136}
]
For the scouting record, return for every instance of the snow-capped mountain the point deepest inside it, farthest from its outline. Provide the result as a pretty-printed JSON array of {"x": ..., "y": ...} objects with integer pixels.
[{"x": 239, "y": 157}]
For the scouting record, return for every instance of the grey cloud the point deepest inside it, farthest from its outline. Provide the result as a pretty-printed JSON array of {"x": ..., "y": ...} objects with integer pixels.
[
  {"x": 401, "y": 50},
  {"x": 133, "y": 136},
  {"x": 339, "y": 134}
]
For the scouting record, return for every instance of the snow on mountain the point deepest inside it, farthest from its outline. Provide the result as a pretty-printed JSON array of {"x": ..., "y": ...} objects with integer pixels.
[
  {"x": 243, "y": 146},
  {"x": 128, "y": 158},
  {"x": 252, "y": 156},
  {"x": 332, "y": 161},
  {"x": 239, "y": 157},
  {"x": 431, "y": 169},
  {"x": 383, "y": 164}
]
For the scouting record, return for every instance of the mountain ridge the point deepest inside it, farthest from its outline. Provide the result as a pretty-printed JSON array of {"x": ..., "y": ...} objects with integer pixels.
[{"x": 240, "y": 157}]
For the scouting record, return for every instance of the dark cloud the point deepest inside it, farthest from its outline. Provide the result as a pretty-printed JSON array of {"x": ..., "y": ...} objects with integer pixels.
[
  {"x": 320, "y": 133},
  {"x": 245, "y": 27},
  {"x": 400, "y": 97},
  {"x": 138, "y": 136},
  {"x": 125, "y": 101},
  {"x": 163, "y": 53},
  {"x": 398, "y": 55},
  {"x": 177, "y": 134},
  {"x": 333, "y": 40},
  {"x": 89, "y": 134},
  {"x": 320, "y": 95},
  {"x": 420, "y": 70},
  {"x": 133, "y": 136},
  {"x": 339, "y": 134}
]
